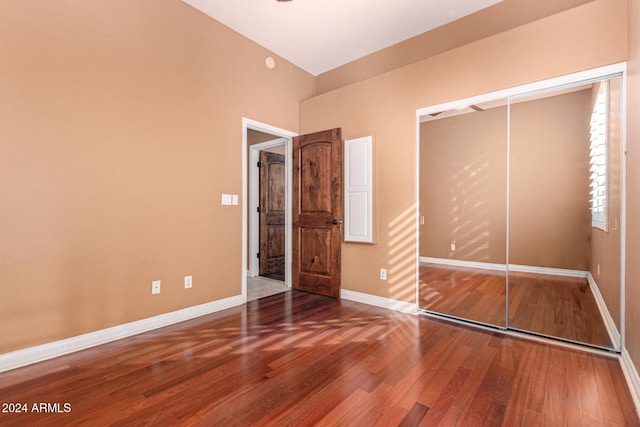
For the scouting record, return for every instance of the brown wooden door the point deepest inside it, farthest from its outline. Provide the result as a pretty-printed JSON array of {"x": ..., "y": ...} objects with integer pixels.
[
  {"x": 317, "y": 212},
  {"x": 272, "y": 209}
]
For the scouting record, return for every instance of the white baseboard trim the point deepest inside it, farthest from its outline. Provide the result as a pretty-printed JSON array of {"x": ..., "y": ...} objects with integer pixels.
[
  {"x": 502, "y": 267},
  {"x": 39, "y": 353},
  {"x": 609, "y": 323},
  {"x": 548, "y": 270},
  {"x": 459, "y": 263},
  {"x": 631, "y": 375},
  {"x": 392, "y": 304}
]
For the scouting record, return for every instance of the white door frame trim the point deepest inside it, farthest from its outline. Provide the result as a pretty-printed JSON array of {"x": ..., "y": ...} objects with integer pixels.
[{"x": 288, "y": 136}]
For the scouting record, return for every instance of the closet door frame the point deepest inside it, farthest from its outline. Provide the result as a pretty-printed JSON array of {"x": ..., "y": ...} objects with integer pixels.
[{"x": 614, "y": 70}]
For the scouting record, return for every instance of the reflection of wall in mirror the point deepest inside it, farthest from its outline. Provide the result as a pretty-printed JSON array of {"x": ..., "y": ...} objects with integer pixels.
[
  {"x": 463, "y": 186},
  {"x": 550, "y": 220}
]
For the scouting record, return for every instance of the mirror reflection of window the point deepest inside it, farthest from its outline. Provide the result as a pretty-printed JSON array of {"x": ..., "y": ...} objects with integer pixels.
[
  {"x": 564, "y": 249},
  {"x": 598, "y": 157}
]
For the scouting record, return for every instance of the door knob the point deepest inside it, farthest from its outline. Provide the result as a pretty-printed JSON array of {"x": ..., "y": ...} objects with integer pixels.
[{"x": 335, "y": 221}]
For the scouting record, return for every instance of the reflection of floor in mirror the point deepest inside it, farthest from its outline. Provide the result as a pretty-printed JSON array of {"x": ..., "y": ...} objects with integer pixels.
[
  {"x": 469, "y": 293},
  {"x": 545, "y": 304},
  {"x": 260, "y": 287}
]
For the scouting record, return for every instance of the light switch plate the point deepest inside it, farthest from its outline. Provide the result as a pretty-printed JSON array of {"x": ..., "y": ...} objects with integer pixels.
[
  {"x": 226, "y": 199},
  {"x": 234, "y": 199}
]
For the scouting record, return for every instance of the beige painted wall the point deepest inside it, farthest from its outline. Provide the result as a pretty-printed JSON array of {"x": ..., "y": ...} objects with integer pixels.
[
  {"x": 385, "y": 106},
  {"x": 256, "y": 137},
  {"x": 503, "y": 16},
  {"x": 632, "y": 322},
  {"x": 120, "y": 128}
]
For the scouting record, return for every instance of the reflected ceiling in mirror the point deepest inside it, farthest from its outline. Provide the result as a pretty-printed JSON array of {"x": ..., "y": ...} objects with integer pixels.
[{"x": 483, "y": 106}]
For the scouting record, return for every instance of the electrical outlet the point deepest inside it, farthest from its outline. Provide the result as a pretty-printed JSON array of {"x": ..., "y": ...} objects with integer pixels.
[
  {"x": 188, "y": 282},
  {"x": 155, "y": 287},
  {"x": 598, "y": 269},
  {"x": 421, "y": 219},
  {"x": 453, "y": 247},
  {"x": 383, "y": 274}
]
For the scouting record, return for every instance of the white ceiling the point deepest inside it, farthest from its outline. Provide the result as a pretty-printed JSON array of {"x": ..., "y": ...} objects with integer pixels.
[{"x": 319, "y": 35}]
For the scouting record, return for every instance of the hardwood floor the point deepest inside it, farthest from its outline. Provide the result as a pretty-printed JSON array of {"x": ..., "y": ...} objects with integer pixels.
[
  {"x": 303, "y": 359},
  {"x": 555, "y": 306}
]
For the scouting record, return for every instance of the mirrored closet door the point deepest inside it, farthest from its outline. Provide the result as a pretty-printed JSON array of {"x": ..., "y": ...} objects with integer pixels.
[
  {"x": 463, "y": 178},
  {"x": 520, "y": 198},
  {"x": 564, "y": 212}
]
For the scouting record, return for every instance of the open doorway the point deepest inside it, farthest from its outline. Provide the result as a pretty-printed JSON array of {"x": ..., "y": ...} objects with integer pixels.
[{"x": 267, "y": 224}]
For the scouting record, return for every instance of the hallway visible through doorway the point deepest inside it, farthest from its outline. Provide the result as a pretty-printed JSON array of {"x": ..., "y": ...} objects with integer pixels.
[
  {"x": 267, "y": 237},
  {"x": 261, "y": 287}
]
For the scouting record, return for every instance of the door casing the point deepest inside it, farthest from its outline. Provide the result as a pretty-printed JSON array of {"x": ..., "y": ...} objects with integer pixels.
[{"x": 246, "y": 187}]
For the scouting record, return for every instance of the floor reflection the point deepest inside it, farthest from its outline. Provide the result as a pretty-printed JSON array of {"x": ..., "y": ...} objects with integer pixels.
[{"x": 556, "y": 306}]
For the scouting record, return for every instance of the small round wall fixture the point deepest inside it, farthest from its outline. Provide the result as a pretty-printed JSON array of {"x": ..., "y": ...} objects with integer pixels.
[{"x": 269, "y": 62}]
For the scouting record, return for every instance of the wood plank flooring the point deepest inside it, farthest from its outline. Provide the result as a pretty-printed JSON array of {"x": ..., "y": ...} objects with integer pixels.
[
  {"x": 550, "y": 305},
  {"x": 302, "y": 359}
]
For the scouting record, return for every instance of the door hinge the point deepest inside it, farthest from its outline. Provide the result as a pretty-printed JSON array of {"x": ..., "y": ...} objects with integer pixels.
[
  {"x": 258, "y": 209},
  {"x": 259, "y": 164},
  {"x": 258, "y": 255}
]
